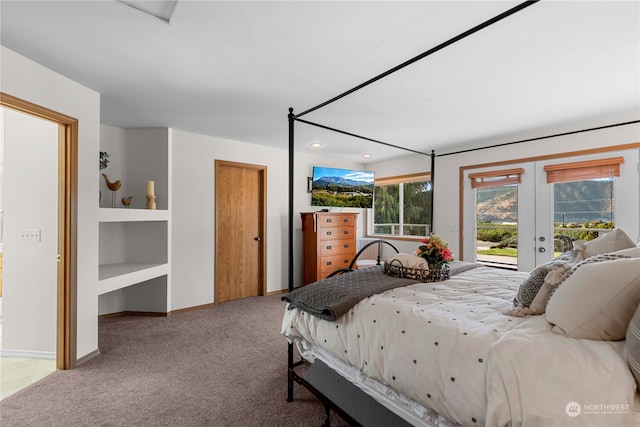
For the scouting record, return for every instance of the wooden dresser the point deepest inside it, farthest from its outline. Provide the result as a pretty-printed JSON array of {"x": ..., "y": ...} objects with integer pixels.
[{"x": 328, "y": 243}]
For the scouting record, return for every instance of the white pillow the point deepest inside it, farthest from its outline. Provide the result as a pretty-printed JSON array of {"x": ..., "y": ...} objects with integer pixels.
[
  {"x": 612, "y": 241},
  {"x": 633, "y": 345},
  {"x": 630, "y": 252},
  {"x": 597, "y": 300},
  {"x": 409, "y": 261}
]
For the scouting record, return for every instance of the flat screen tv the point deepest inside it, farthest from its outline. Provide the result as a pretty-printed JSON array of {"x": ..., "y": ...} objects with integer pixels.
[{"x": 342, "y": 187}]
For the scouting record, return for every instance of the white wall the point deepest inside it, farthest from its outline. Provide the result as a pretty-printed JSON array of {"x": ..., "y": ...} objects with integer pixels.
[
  {"x": 31, "y": 199},
  {"x": 113, "y": 140},
  {"x": 193, "y": 213},
  {"x": 447, "y": 183},
  {"x": 30, "y": 81}
]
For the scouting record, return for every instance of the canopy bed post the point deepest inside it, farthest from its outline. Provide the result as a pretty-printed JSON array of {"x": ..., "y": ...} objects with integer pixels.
[
  {"x": 433, "y": 180},
  {"x": 291, "y": 117},
  {"x": 290, "y": 363}
]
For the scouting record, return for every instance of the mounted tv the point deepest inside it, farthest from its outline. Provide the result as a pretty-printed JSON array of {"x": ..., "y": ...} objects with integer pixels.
[{"x": 342, "y": 187}]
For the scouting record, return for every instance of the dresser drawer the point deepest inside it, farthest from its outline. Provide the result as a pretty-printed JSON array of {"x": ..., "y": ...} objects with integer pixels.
[
  {"x": 329, "y": 264},
  {"x": 336, "y": 220},
  {"x": 337, "y": 247},
  {"x": 330, "y": 233}
]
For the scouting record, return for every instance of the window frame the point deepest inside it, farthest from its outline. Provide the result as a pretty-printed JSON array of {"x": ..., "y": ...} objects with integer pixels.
[{"x": 393, "y": 180}]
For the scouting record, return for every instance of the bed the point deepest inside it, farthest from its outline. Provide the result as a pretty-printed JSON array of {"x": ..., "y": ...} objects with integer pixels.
[
  {"x": 486, "y": 347},
  {"x": 447, "y": 353}
]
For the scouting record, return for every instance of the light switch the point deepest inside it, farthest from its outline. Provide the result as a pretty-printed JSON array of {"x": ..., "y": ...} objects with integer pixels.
[{"x": 30, "y": 235}]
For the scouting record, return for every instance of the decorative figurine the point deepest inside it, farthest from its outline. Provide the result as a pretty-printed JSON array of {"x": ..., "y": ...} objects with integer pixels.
[
  {"x": 126, "y": 201},
  {"x": 113, "y": 186}
]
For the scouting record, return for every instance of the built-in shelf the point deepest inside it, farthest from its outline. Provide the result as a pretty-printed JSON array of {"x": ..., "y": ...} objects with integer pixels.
[
  {"x": 134, "y": 268},
  {"x": 122, "y": 215},
  {"x": 112, "y": 277}
]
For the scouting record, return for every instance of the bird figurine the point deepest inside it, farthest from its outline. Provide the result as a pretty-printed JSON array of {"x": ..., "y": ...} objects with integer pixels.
[
  {"x": 126, "y": 201},
  {"x": 113, "y": 186}
]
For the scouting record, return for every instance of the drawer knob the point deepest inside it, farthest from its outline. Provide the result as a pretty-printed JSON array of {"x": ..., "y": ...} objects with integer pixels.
[
  {"x": 346, "y": 246},
  {"x": 346, "y": 231},
  {"x": 329, "y": 247},
  {"x": 328, "y": 262},
  {"x": 328, "y": 219},
  {"x": 328, "y": 233}
]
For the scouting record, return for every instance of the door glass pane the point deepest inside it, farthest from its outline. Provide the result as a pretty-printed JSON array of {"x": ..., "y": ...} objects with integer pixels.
[
  {"x": 386, "y": 209},
  {"x": 497, "y": 226},
  {"x": 416, "y": 210},
  {"x": 582, "y": 210}
]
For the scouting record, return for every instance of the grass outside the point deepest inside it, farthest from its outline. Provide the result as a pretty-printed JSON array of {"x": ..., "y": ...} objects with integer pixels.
[
  {"x": 505, "y": 252},
  {"x": 499, "y": 251}
]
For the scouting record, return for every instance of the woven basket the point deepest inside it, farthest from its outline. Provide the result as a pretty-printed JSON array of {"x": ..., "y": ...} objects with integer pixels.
[{"x": 396, "y": 269}]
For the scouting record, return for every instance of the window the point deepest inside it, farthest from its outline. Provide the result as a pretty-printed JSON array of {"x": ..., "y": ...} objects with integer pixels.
[
  {"x": 402, "y": 206},
  {"x": 583, "y": 199},
  {"x": 497, "y": 216},
  {"x": 531, "y": 211}
]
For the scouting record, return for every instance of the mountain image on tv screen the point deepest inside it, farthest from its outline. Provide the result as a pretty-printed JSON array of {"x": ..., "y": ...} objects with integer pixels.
[{"x": 342, "y": 187}]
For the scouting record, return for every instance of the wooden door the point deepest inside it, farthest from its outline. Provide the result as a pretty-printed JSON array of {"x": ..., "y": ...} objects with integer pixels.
[{"x": 240, "y": 230}]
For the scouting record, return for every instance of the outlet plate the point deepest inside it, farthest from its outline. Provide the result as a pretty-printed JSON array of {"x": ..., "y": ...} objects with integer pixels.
[{"x": 30, "y": 235}]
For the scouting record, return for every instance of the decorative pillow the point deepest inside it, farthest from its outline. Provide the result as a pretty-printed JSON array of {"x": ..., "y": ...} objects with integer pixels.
[
  {"x": 409, "y": 261},
  {"x": 553, "y": 279},
  {"x": 529, "y": 289},
  {"x": 597, "y": 300},
  {"x": 594, "y": 259},
  {"x": 630, "y": 252},
  {"x": 612, "y": 241},
  {"x": 580, "y": 245},
  {"x": 633, "y": 345},
  {"x": 531, "y": 285}
]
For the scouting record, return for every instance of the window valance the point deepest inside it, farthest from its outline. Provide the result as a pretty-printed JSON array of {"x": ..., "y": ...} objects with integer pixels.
[
  {"x": 496, "y": 178},
  {"x": 580, "y": 171}
]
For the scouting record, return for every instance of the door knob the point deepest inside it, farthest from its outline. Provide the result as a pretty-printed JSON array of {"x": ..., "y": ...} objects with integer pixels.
[
  {"x": 257, "y": 239},
  {"x": 541, "y": 250}
]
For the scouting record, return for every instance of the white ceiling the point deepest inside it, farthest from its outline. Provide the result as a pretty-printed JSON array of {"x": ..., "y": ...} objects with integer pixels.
[{"x": 232, "y": 68}]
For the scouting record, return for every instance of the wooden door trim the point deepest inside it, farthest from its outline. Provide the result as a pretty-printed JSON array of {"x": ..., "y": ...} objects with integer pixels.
[
  {"x": 263, "y": 220},
  {"x": 66, "y": 322},
  {"x": 576, "y": 153}
]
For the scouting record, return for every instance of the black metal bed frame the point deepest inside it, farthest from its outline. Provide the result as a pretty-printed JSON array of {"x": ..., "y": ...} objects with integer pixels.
[{"x": 293, "y": 375}]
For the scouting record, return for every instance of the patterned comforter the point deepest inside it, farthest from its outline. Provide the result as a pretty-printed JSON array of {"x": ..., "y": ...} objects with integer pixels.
[{"x": 449, "y": 347}]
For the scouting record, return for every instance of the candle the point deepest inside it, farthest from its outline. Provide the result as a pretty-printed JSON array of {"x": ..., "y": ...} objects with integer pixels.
[{"x": 149, "y": 188}]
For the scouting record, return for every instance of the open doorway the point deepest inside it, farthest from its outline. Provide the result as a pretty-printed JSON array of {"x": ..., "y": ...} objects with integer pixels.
[{"x": 64, "y": 204}]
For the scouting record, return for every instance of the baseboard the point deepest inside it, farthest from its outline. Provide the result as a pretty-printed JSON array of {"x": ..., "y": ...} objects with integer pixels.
[
  {"x": 170, "y": 313},
  {"x": 134, "y": 313},
  {"x": 195, "y": 307},
  {"x": 28, "y": 354},
  {"x": 87, "y": 357}
]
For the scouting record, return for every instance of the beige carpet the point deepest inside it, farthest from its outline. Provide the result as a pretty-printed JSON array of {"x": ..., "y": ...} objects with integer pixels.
[{"x": 219, "y": 366}]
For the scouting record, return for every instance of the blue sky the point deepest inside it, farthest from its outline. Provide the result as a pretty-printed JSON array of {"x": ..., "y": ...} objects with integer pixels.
[{"x": 357, "y": 175}]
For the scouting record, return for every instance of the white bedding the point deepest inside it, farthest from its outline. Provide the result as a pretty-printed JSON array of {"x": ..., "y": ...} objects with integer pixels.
[{"x": 448, "y": 346}]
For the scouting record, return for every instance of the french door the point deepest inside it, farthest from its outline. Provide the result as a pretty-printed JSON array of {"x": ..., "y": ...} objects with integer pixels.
[{"x": 540, "y": 213}]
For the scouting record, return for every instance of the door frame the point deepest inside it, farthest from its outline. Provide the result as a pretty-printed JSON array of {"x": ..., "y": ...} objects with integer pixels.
[
  {"x": 463, "y": 169},
  {"x": 66, "y": 304},
  {"x": 526, "y": 247},
  {"x": 263, "y": 222}
]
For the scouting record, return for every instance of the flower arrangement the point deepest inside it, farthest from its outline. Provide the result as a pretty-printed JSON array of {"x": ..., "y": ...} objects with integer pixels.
[{"x": 435, "y": 251}]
